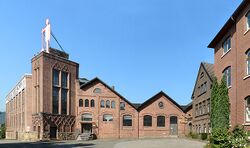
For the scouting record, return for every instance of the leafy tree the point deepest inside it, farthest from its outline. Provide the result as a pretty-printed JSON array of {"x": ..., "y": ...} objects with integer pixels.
[{"x": 2, "y": 131}]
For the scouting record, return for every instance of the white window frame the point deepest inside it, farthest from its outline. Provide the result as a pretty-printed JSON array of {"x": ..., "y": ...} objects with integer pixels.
[
  {"x": 227, "y": 48},
  {"x": 248, "y": 62},
  {"x": 247, "y": 110},
  {"x": 248, "y": 20},
  {"x": 226, "y": 73}
]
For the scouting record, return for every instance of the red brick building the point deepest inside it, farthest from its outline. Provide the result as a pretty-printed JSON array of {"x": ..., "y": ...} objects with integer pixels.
[
  {"x": 232, "y": 59},
  {"x": 54, "y": 103}
]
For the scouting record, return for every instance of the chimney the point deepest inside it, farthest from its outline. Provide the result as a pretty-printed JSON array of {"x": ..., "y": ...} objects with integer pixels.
[{"x": 113, "y": 87}]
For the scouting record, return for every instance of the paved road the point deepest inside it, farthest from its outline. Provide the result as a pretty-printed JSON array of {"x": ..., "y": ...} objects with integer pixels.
[
  {"x": 144, "y": 143},
  {"x": 160, "y": 143}
]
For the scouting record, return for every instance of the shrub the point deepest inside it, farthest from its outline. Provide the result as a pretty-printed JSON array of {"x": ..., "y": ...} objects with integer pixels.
[
  {"x": 203, "y": 136},
  {"x": 220, "y": 138},
  {"x": 238, "y": 138}
]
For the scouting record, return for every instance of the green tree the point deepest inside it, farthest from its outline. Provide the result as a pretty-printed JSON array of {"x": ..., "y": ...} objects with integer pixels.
[
  {"x": 2, "y": 131},
  {"x": 214, "y": 102}
]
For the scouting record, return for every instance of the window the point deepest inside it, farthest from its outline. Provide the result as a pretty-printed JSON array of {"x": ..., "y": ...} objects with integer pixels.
[
  {"x": 227, "y": 74},
  {"x": 64, "y": 79},
  {"x": 202, "y": 74},
  {"x": 248, "y": 62},
  {"x": 160, "y": 121},
  {"x": 97, "y": 90},
  {"x": 107, "y": 117},
  {"x": 226, "y": 45},
  {"x": 204, "y": 107},
  {"x": 86, "y": 117},
  {"x": 161, "y": 105},
  {"x": 55, "y": 77},
  {"x": 208, "y": 105},
  {"x": 92, "y": 103},
  {"x": 113, "y": 104},
  {"x": 147, "y": 120},
  {"x": 122, "y": 106},
  {"x": 196, "y": 110},
  {"x": 248, "y": 109},
  {"x": 80, "y": 103},
  {"x": 107, "y": 104},
  {"x": 205, "y": 86},
  {"x": 102, "y": 104},
  {"x": 248, "y": 20},
  {"x": 86, "y": 103},
  {"x": 55, "y": 100},
  {"x": 127, "y": 120},
  {"x": 64, "y": 101}
]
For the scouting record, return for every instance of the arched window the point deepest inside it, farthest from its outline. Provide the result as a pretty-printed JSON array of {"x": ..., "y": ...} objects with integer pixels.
[
  {"x": 86, "y": 103},
  {"x": 160, "y": 121},
  {"x": 80, "y": 103},
  {"x": 122, "y": 105},
  {"x": 97, "y": 90},
  {"x": 113, "y": 104},
  {"x": 127, "y": 120},
  {"x": 107, "y": 104},
  {"x": 248, "y": 62},
  {"x": 248, "y": 109},
  {"x": 92, "y": 103},
  {"x": 87, "y": 117},
  {"x": 147, "y": 120},
  {"x": 102, "y": 104},
  {"x": 107, "y": 117}
]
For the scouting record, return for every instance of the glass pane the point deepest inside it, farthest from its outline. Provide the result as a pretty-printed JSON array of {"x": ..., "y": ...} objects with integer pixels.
[
  {"x": 80, "y": 103},
  {"x": 55, "y": 77},
  {"x": 147, "y": 120},
  {"x": 55, "y": 100},
  {"x": 92, "y": 103},
  {"x": 107, "y": 117},
  {"x": 127, "y": 120},
  {"x": 229, "y": 43},
  {"x": 86, "y": 103},
  {"x": 122, "y": 106},
  {"x": 102, "y": 104},
  {"x": 87, "y": 117},
  {"x": 97, "y": 90},
  {"x": 107, "y": 104},
  {"x": 64, "y": 101},
  {"x": 64, "y": 79},
  {"x": 113, "y": 104},
  {"x": 161, "y": 121}
]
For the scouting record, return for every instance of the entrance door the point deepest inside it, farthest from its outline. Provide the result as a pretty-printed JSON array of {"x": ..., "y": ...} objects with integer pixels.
[
  {"x": 173, "y": 125},
  {"x": 53, "y": 132},
  {"x": 87, "y": 128}
]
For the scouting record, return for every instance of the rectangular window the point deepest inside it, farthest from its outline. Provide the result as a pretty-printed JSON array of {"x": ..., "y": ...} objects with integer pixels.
[
  {"x": 64, "y": 79},
  {"x": 55, "y": 100},
  {"x": 127, "y": 120},
  {"x": 248, "y": 20},
  {"x": 64, "y": 97},
  {"x": 122, "y": 106},
  {"x": 160, "y": 121},
  {"x": 227, "y": 74},
  {"x": 226, "y": 45},
  {"x": 55, "y": 77}
]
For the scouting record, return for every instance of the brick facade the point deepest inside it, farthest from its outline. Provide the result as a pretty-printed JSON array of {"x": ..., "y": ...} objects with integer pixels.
[
  {"x": 60, "y": 105},
  {"x": 235, "y": 28}
]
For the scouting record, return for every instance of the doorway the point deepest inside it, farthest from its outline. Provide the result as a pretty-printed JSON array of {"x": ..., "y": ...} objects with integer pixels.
[
  {"x": 173, "y": 125},
  {"x": 86, "y": 128},
  {"x": 53, "y": 131}
]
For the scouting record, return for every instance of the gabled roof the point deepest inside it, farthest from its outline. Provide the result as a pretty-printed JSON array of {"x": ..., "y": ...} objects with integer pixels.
[
  {"x": 115, "y": 92},
  {"x": 155, "y": 97},
  {"x": 209, "y": 70},
  {"x": 187, "y": 107},
  {"x": 230, "y": 22}
]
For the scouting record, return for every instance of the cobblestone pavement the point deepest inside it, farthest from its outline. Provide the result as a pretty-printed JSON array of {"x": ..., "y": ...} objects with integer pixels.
[{"x": 142, "y": 143}]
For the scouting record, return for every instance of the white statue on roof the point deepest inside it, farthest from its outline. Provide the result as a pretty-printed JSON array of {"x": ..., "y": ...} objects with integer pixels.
[{"x": 46, "y": 31}]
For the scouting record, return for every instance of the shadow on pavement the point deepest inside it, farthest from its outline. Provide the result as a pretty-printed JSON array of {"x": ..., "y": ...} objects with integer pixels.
[{"x": 46, "y": 144}]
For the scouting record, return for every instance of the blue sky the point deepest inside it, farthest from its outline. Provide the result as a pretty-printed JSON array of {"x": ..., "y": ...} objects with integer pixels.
[{"x": 139, "y": 46}]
